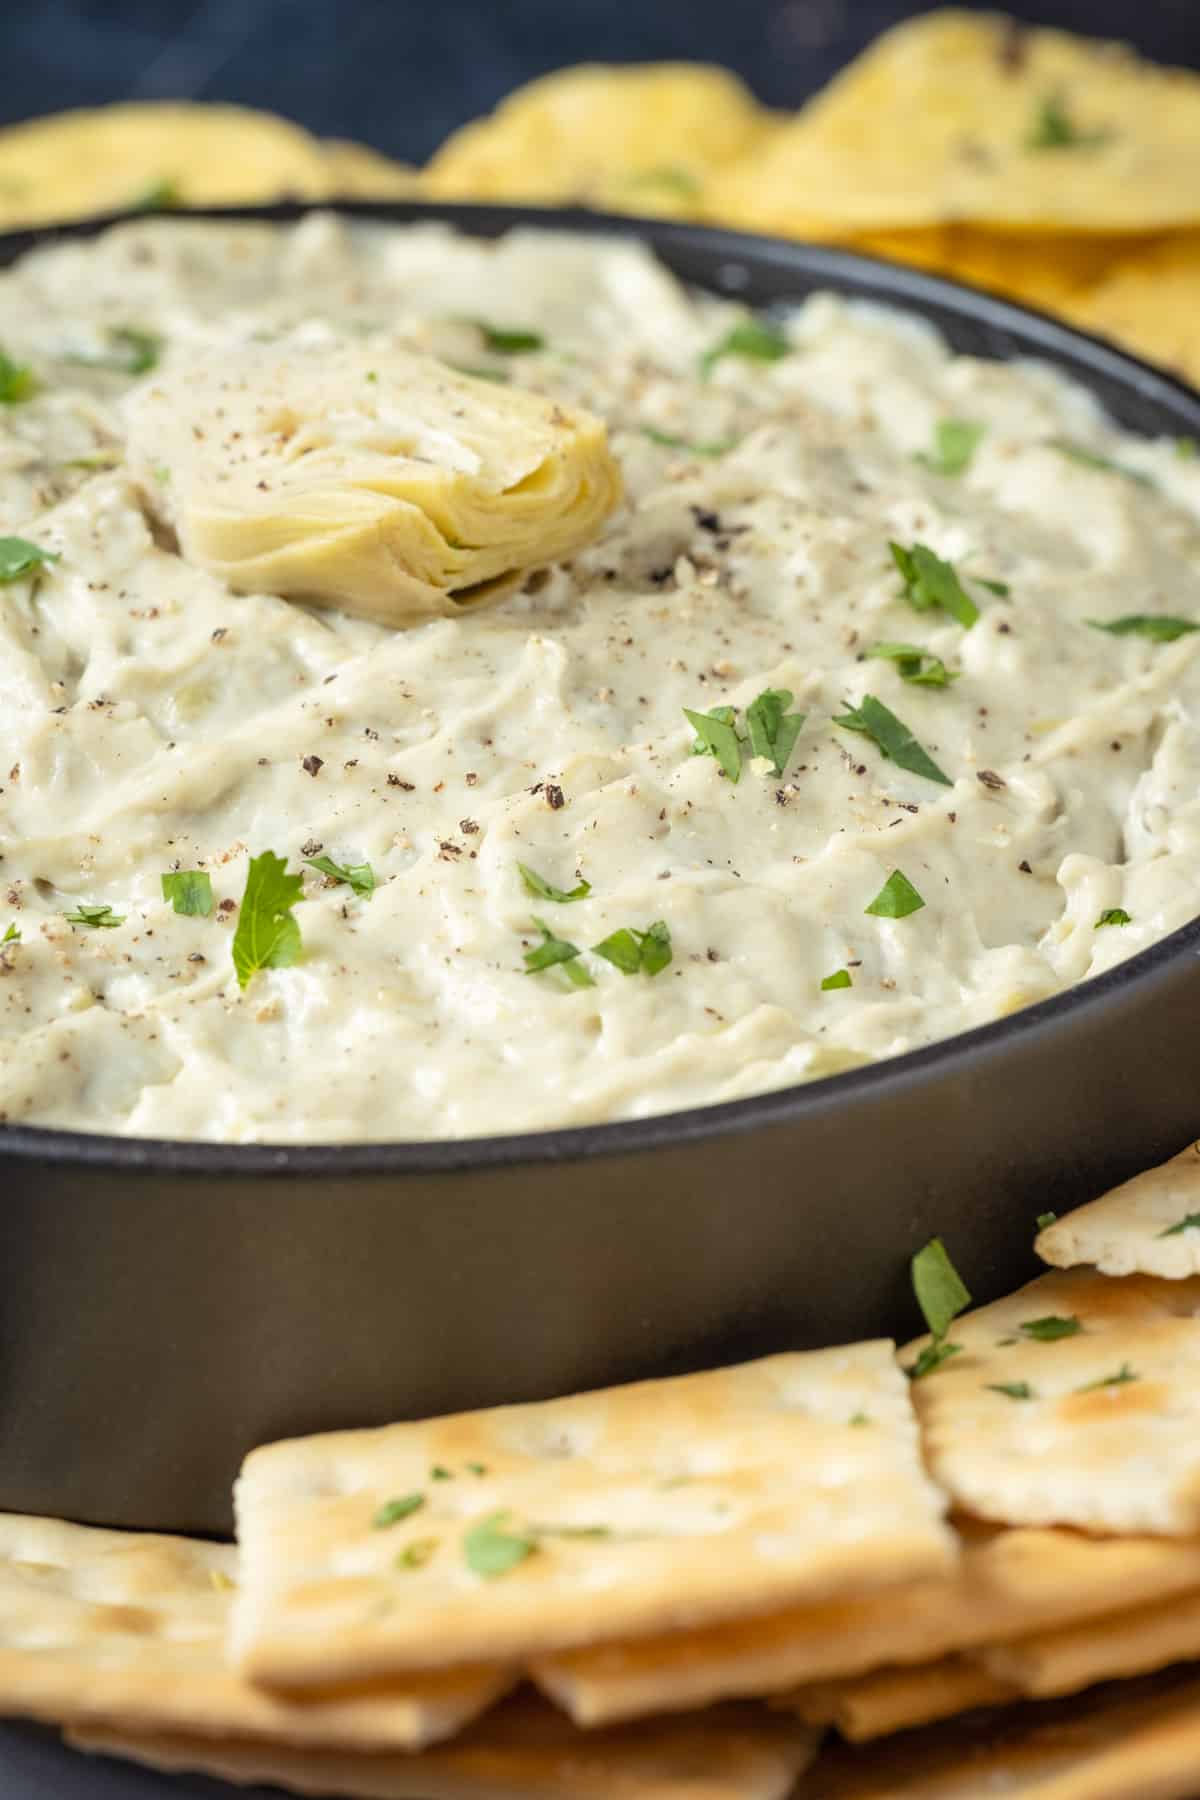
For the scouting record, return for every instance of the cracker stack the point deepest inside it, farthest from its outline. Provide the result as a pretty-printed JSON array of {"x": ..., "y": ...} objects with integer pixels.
[{"x": 970, "y": 1569}]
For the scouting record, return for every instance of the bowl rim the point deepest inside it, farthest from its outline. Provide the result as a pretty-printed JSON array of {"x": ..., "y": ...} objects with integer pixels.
[{"x": 1033, "y": 1026}]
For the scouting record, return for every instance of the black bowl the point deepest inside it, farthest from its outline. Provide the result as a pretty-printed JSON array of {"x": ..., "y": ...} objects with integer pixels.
[{"x": 164, "y": 1306}]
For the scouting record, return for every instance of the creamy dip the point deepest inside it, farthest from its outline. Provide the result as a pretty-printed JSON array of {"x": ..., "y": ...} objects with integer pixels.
[{"x": 154, "y": 721}]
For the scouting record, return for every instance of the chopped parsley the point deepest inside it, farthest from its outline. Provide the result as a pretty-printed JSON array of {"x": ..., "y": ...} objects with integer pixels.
[
  {"x": 509, "y": 342},
  {"x": 921, "y": 667},
  {"x": 674, "y": 179},
  {"x": 669, "y": 441},
  {"x": 839, "y": 979},
  {"x": 716, "y": 735},
  {"x": 491, "y": 1549},
  {"x": 162, "y": 195},
  {"x": 637, "y": 952},
  {"x": 440, "y": 1473},
  {"x": 1091, "y": 459},
  {"x": 417, "y": 1554},
  {"x": 1161, "y": 628},
  {"x": 132, "y": 352},
  {"x": 1051, "y": 1328},
  {"x": 478, "y": 373},
  {"x": 1045, "y": 1220},
  {"x": 1015, "y": 1390},
  {"x": 1190, "y": 1222},
  {"x": 1114, "y": 915},
  {"x": 880, "y": 724},
  {"x": 546, "y": 890},
  {"x": 189, "y": 891},
  {"x": 13, "y": 936},
  {"x": 477, "y": 1468},
  {"x": 1123, "y": 1374},
  {"x": 358, "y": 876},
  {"x": 392, "y": 1511},
  {"x": 955, "y": 442},
  {"x": 896, "y": 898},
  {"x": 17, "y": 381},
  {"x": 941, "y": 1295},
  {"x": 772, "y": 729},
  {"x": 553, "y": 952},
  {"x": 752, "y": 338},
  {"x": 1053, "y": 128},
  {"x": 267, "y": 936},
  {"x": 1186, "y": 449},
  {"x": 99, "y": 916},
  {"x": 19, "y": 557},
  {"x": 930, "y": 583}
]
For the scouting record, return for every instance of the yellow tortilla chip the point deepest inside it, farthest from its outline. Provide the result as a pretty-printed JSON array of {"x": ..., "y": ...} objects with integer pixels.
[
  {"x": 1150, "y": 303},
  {"x": 113, "y": 157},
  {"x": 957, "y": 117},
  {"x": 1031, "y": 267},
  {"x": 357, "y": 172},
  {"x": 638, "y": 139}
]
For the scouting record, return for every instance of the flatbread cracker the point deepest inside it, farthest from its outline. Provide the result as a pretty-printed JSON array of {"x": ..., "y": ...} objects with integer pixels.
[
  {"x": 1148, "y": 1226},
  {"x": 955, "y": 118},
  {"x": 523, "y": 1751},
  {"x": 1135, "y": 1642},
  {"x": 892, "y": 1700},
  {"x": 662, "y": 1505},
  {"x": 1099, "y": 1429},
  {"x": 1114, "y": 1744},
  {"x": 639, "y": 138},
  {"x": 1008, "y": 1584},
  {"x": 100, "y": 1627},
  {"x": 110, "y": 158}
]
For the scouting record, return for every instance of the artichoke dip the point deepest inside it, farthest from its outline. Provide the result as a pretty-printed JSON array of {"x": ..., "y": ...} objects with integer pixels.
[{"x": 870, "y": 712}]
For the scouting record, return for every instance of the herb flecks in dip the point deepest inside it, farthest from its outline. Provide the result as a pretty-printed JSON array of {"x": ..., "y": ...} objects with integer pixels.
[{"x": 819, "y": 698}]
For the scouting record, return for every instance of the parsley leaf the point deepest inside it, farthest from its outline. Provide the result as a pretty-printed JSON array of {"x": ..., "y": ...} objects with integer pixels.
[
  {"x": 637, "y": 952},
  {"x": 1114, "y": 915},
  {"x": 1015, "y": 1390},
  {"x": 13, "y": 936},
  {"x": 554, "y": 951},
  {"x": 1186, "y": 449},
  {"x": 162, "y": 195},
  {"x": 674, "y": 179},
  {"x": 1054, "y": 129},
  {"x": 546, "y": 890},
  {"x": 86, "y": 914},
  {"x": 509, "y": 342},
  {"x": 392, "y": 1511},
  {"x": 1091, "y": 459},
  {"x": 1044, "y": 1220},
  {"x": 17, "y": 381},
  {"x": 189, "y": 891},
  {"x": 955, "y": 443},
  {"x": 839, "y": 979},
  {"x": 773, "y": 730},
  {"x": 1123, "y": 1374},
  {"x": 932, "y": 1357},
  {"x": 669, "y": 441},
  {"x": 132, "y": 352},
  {"x": 1190, "y": 1222},
  {"x": 716, "y": 736},
  {"x": 896, "y": 898},
  {"x": 359, "y": 876},
  {"x": 911, "y": 660},
  {"x": 930, "y": 583},
  {"x": 1049, "y": 1329},
  {"x": 1161, "y": 628},
  {"x": 416, "y": 1554},
  {"x": 940, "y": 1290},
  {"x": 491, "y": 1550},
  {"x": 19, "y": 557},
  {"x": 751, "y": 338},
  {"x": 893, "y": 737},
  {"x": 267, "y": 936}
]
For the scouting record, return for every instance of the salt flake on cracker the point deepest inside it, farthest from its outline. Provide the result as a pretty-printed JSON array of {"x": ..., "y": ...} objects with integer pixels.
[{"x": 658, "y": 1506}]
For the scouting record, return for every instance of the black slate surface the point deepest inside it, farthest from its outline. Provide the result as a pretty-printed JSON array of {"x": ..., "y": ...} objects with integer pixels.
[{"x": 402, "y": 73}]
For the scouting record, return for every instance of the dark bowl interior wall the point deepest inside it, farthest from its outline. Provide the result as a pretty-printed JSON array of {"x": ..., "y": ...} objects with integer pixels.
[{"x": 163, "y": 1307}]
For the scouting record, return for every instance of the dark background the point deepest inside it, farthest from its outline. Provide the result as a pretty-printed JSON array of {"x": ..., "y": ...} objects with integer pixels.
[{"x": 402, "y": 73}]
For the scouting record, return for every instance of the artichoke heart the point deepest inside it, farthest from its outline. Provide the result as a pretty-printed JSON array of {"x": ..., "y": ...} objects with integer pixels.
[{"x": 376, "y": 480}]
